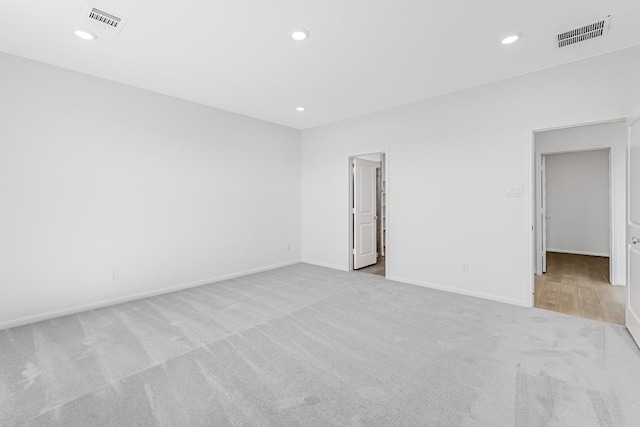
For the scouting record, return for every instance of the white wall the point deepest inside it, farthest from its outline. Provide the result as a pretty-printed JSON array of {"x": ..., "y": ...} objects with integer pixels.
[
  {"x": 449, "y": 162},
  {"x": 578, "y": 202},
  {"x": 95, "y": 175}
]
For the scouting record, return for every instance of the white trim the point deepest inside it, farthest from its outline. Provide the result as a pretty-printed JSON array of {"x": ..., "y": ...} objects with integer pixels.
[
  {"x": 350, "y": 204},
  {"x": 570, "y": 251},
  {"x": 538, "y": 221},
  {"x": 532, "y": 220},
  {"x": 601, "y": 122},
  {"x": 105, "y": 303},
  {"x": 613, "y": 190},
  {"x": 325, "y": 265},
  {"x": 460, "y": 291},
  {"x": 613, "y": 279}
]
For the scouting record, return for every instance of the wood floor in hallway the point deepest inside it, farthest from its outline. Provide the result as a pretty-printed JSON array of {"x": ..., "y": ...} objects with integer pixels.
[{"x": 579, "y": 285}]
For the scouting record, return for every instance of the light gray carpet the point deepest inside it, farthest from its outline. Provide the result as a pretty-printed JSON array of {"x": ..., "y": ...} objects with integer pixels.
[{"x": 305, "y": 345}]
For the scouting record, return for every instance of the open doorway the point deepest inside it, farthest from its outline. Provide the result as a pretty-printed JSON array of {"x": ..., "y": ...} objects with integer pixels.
[
  {"x": 576, "y": 257},
  {"x": 368, "y": 213}
]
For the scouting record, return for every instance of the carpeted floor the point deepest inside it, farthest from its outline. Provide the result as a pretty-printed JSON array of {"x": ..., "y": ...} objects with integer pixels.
[{"x": 304, "y": 345}]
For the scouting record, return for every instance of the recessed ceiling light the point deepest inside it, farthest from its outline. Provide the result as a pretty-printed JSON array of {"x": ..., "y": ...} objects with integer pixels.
[
  {"x": 511, "y": 39},
  {"x": 85, "y": 35},
  {"x": 299, "y": 35},
  {"x": 300, "y": 109}
]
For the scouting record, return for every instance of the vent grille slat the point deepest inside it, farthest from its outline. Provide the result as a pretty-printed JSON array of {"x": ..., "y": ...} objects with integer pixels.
[
  {"x": 104, "y": 19},
  {"x": 587, "y": 32}
]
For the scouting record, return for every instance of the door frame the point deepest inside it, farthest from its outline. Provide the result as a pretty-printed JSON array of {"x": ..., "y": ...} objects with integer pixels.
[
  {"x": 534, "y": 211},
  {"x": 612, "y": 254},
  {"x": 385, "y": 165},
  {"x": 540, "y": 195}
]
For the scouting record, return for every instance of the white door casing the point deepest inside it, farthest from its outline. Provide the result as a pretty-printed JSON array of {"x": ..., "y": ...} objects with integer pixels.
[
  {"x": 545, "y": 217},
  {"x": 633, "y": 233},
  {"x": 541, "y": 217},
  {"x": 364, "y": 213}
]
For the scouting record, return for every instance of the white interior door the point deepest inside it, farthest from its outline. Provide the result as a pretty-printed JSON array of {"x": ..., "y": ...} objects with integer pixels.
[
  {"x": 633, "y": 233},
  {"x": 541, "y": 204},
  {"x": 364, "y": 213}
]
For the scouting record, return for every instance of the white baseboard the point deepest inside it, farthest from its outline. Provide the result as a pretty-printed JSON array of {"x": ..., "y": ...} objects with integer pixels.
[
  {"x": 565, "y": 251},
  {"x": 460, "y": 291},
  {"x": 451, "y": 289},
  {"x": 322, "y": 264},
  {"x": 105, "y": 303}
]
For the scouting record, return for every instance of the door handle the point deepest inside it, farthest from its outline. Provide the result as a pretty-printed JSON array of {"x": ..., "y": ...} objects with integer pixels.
[
  {"x": 547, "y": 217},
  {"x": 635, "y": 240}
]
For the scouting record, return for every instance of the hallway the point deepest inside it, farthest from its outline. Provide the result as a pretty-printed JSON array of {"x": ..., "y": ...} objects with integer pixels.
[{"x": 579, "y": 285}]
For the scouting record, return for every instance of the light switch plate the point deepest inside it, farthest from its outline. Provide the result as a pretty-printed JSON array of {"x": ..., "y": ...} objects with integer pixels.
[{"x": 513, "y": 191}]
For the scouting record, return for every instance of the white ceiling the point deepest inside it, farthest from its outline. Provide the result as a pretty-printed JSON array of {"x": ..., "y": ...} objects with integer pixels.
[{"x": 362, "y": 55}]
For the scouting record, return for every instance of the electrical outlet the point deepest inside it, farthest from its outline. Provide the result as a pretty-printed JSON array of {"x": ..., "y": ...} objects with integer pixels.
[
  {"x": 115, "y": 274},
  {"x": 465, "y": 267}
]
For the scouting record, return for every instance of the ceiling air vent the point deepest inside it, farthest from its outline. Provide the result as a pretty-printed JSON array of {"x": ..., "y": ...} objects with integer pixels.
[
  {"x": 587, "y": 32},
  {"x": 106, "y": 20}
]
